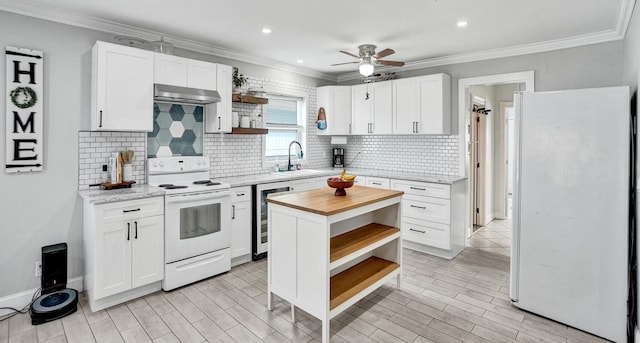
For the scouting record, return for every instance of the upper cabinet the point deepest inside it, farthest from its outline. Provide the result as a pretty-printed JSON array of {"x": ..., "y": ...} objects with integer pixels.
[
  {"x": 184, "y": 72},
  {"x": 336, "y": 101},
  {"x": 372, "y": 108},
  {"x": 121, "y": 88},
  {"x": 218, "y": 115},
  {"x": 422, "y": 105}
]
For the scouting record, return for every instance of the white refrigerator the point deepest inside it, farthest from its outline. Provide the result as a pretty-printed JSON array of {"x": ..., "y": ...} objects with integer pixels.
[{"x": 571, "y": 208}]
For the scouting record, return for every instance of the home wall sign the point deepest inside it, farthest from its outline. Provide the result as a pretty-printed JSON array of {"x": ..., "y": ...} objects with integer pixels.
[{"x": 24, "y": 116}]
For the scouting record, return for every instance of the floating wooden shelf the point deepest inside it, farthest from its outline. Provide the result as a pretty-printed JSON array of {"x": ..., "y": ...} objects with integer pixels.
[
  {"x": 364, "y": 237},
  {"x": 354, "y": 280},
  {"x": 248, "y": 99},
  {"x": 247, "y": 131}
]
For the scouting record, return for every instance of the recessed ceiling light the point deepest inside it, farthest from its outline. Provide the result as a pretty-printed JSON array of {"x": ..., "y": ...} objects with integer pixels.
[
  {"x": 299, "y": 61},
  {"x": 462, "y": 23},
  {"x": 266, "y": 30}
]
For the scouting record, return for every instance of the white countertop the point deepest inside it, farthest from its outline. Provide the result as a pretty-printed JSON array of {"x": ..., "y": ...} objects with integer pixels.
[
  {"x": 247, "y": 180},
  {"x": 98, "y": 196}
]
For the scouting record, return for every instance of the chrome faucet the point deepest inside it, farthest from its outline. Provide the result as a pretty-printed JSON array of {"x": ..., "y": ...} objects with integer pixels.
[{"x": 289, "y": 165}]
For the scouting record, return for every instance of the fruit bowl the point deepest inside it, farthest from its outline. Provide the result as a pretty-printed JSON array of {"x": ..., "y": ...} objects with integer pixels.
[{"x": 339, "y": 185}]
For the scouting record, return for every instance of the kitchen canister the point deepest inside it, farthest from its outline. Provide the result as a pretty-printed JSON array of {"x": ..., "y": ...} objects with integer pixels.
[
  {"x": 235, "y": 119},
  {"x": 245, "y": 121}
]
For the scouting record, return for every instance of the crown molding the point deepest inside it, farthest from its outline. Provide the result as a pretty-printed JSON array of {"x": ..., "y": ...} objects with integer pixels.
[{"x": 88, "y": 22}]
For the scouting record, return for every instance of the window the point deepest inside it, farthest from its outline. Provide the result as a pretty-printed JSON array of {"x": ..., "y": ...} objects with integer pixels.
[{"x": 284, "y": 117}]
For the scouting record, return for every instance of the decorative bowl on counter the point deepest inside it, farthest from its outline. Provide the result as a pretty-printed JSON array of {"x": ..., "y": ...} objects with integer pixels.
[{"x": 339, "y": 185}]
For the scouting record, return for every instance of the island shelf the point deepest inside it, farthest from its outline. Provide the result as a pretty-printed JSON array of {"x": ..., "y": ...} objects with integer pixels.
[{"x": 326, "y": 252}]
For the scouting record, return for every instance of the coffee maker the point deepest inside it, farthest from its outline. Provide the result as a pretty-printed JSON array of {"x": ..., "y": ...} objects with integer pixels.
[{"x": 338, "y": 157}]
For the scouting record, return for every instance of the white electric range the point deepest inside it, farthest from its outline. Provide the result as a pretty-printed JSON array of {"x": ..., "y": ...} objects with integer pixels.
[{"x": 197, "y": 219}]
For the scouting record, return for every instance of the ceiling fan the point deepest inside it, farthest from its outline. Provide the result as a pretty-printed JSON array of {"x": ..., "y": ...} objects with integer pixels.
[{"x": 367, "y": 58}]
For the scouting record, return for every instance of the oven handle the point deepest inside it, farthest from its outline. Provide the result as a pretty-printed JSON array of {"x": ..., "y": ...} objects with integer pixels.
[{"x": 177, "y": 198}]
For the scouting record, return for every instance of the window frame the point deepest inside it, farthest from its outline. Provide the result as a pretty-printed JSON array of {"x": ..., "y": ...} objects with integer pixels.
[{"x": 302, "y": 126}]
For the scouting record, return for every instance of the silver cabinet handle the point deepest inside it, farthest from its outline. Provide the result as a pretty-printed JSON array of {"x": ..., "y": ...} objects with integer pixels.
[
  {"x": 134, "y": 210},
  {"x": 219, "y": 123},
  {"x": 377, "y": 183},
  {"x": 100, "y": 119},
  {"x": 417, "y": 128},
  {"x": 420, "y": 207},
  {"x": 233, "y": 211},
  {"x": 418, "y": 189},
  {"x": 136, "y": 232},
  {"x": 128, "y": 231},
  {"x": 239, "y": 194},
  {"x": 349, "y": 128},
  {"x": 417, "y": 230}
]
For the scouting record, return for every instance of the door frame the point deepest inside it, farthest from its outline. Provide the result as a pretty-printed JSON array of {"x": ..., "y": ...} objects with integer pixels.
[
  {"x": 464, "y": 118},
  {"x": 503, "y": 170}
]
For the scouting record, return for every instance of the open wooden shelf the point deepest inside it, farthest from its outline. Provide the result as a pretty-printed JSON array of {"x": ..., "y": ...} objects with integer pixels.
[
  {"x": 248, "y": 131},
  {"x": 354, "y": 280},
  {"x": 362, "y": 238},
  {"x": 248, "y": 99}
]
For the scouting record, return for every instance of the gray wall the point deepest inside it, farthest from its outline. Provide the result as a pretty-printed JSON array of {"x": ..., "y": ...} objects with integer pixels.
[
  {"x": 631, "y": 59},
  {"x": 38, "y": 209}
]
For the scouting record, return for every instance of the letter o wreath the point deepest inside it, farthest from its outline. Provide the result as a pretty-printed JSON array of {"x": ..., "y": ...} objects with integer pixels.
[{"x": 28, "y": 93}]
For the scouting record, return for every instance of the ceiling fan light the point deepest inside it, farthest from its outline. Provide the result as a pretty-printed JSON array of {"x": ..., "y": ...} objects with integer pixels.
[{"x": 366, "y": 68}]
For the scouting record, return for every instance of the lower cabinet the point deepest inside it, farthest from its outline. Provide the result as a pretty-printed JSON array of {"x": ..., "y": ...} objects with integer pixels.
[
  {"x": 377, "y": 182},
  {"x": 433, "y": 216},
  {"x": 241, "y": 225},
  {"x": 124, "y": 250}
]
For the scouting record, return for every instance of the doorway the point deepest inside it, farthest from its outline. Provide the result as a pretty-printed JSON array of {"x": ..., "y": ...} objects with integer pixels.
[{"x": 523, "y": 81}]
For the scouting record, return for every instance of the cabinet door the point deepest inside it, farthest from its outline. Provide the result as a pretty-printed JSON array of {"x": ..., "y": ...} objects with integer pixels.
[
  {"x": 224, "y": 88},
  {"x": 122, "y": 88},
  {"x": 434, "y": 115},
  {"x": 240, "y": 228},
  {"x": 361, "y": 115},
  {"x": 170, "y": 70},
  {"x": 382, "y": 93},
  {"x": 112, "y": 259},
  {"x": 405, "y": 106},
  {"x": 147, "y": 252},
  {"x": 336, "y": 101},
  {"x": 202, "y": 75}
]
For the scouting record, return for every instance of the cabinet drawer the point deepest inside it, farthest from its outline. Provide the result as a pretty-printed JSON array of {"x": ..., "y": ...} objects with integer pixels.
[
  {"x": 427, "y": 233},
  {"x": 429, "y": 189},
  {"x": 426, "y": 208},
  {"x": 239, "y": 194},
  {"x": 360, "y": 180},
  {"x": 378, "y": 182},
  {"x": 126, "y": 210}
]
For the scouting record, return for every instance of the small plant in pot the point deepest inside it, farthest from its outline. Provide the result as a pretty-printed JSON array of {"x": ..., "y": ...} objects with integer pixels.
[{"x": 238, "y": 80}]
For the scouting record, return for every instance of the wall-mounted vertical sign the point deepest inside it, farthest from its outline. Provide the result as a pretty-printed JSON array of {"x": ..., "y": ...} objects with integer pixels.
[{"x": 24, "y": 117}]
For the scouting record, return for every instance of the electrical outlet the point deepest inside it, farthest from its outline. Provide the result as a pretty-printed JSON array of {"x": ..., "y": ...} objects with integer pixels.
[{"x": 38, "y": 268}]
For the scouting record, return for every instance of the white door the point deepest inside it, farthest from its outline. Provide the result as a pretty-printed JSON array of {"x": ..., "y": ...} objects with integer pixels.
[
  {"x": 113, "y": 259},
  {"x": 147, "y": 251},
  {"x": 124, "y": 88},
  {"x": 361, "y": 101},
  {"x": 240, "y": 228},
  {"x": 382, "y": 107}
]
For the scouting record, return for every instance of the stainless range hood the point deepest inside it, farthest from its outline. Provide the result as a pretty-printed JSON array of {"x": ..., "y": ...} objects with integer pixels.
[{"x": 184, "y": 94}]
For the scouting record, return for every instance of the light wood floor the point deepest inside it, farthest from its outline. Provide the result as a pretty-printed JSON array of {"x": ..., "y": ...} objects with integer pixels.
[{"x": 463, "y": 300}]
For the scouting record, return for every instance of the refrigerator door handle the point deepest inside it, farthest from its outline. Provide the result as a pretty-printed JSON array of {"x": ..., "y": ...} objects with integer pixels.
[{"x": 516, "y": 224}]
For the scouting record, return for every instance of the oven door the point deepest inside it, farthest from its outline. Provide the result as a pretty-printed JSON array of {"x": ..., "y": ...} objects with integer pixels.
[{"x": 196, "y": 224}]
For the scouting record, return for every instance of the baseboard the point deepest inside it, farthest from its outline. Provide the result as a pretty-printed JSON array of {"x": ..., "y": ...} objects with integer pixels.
[{"x": 22, "y": 299}]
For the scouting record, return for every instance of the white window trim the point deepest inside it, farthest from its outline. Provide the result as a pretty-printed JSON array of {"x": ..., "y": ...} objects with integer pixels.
[{"x": 270, "y": 162}]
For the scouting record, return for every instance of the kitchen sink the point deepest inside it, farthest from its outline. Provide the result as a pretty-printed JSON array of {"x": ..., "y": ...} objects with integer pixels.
[{"x": 300, "y": 172}]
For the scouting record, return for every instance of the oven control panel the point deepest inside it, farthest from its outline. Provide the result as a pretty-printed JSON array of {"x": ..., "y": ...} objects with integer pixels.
[{"x": 178, "y": 164}]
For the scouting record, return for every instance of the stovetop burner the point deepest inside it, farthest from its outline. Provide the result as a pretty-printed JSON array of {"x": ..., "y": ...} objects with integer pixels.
[
  {"x": 165, "y": 185},
  {"x": 175, "y": 187},
  {"x": 171, "y": 186},
  {"x": 201, "y": 182}
]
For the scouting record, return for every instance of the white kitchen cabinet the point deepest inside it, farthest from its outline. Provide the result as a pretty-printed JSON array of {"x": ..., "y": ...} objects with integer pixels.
[
  {"x": 124, "y": 250},
  {"x": 220, "y": 110},
  {"x": 372, "y": 108},
  {"x": 184, "y": 72},
  {"x": 121, "y": 88},
  {"x": 378, "y": 182},
  {"x": 433, "y": 216},
  {"x": 336, "y": 101},
  {"x": 422, "y": 105},
  {"x": 240, "y": 225}
]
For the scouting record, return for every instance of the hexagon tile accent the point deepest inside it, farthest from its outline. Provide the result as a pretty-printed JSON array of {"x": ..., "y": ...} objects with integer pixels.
[{"x": 177, "y": 131}]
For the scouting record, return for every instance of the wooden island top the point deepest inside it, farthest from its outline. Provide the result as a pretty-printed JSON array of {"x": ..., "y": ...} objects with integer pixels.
[{"x": 324, "y": 202}]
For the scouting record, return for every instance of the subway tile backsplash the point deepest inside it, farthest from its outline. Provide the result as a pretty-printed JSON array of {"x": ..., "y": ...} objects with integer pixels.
[{"x": 236, "y": 155}]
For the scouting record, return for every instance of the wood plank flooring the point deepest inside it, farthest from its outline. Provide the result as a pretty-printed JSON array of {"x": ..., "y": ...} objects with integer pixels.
[{"x": 462, "y": 300}]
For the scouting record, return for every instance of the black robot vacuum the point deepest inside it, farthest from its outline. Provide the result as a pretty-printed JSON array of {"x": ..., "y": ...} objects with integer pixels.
[{"x": 56, "y": 300}]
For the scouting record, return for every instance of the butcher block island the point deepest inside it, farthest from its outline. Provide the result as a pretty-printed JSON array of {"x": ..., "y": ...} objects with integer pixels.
[{"x": 327, "y": 252}]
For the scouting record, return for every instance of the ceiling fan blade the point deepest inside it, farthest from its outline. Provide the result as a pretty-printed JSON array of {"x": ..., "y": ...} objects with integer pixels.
[
  {"x": 391, "y": 63},
  {"x": 350, "y": 54},
  {"x": 339, "y": 64},
  {"x": 384, "y": 53}
]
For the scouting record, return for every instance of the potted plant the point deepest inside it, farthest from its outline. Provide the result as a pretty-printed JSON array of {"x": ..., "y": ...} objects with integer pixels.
[{"x": 238, "y": 80}]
